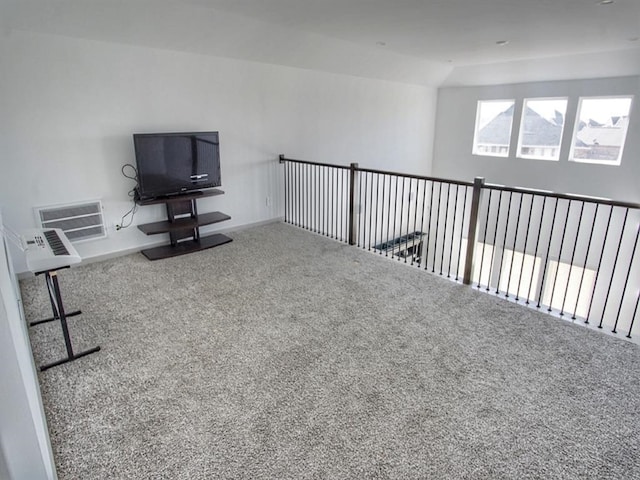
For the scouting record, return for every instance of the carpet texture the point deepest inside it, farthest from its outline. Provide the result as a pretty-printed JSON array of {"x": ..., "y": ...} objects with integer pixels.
[{"x": 286, "y": 355}]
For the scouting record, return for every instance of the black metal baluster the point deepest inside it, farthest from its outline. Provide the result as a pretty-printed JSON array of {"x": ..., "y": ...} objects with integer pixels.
[
  {"x": 286, "y": 193},
  {"x": 364, "y": 206},
  {"x": 435, "y": 240},
  {"x": 444, "y": 228},
  {"x": 416, "y": 240},
  {"x": 626, "y": 282},
  {"x": 524, "y": 251},
  {"x": 408, "y": 227},
  {"x": 484, "y": 240},
  {"x": 370, "y": 181},
  {"x": 327, "y": 188},
  {"x": 584, "y": 265},
  {"x": 386, "y": 251},
  {"x": 406, "y": 242},
  {"x": 346, "y": 225},
  {"x": 615, "y": 262},
  {"x": 546, "y": 261},
  {"x": 382, "y": 210},
  {"x": 633, "y": 317},
  {"x": 573, "y": 255},
  {"x": 395, "y": 210},
  {"x": 334, "y": 203},
  {"x": 345, "y": 219},
  {"x": 422, "y": 235},
  {"x": 299, "y": 194},
  {"x": 370, "y": 209},
  {"x": 515, "y": 241},
  {"x": 595, "y": 281},
  {"x": 341, "y": 210},
  {"x": 401, "y": 216},
  {"x": 310, "y": 198},
  {"x": 453, "y": 232},
  {"x": 555, "y": 278},
  {"x": 318, "y": 198},
  {"x": 314, "y": 225},
  {"x": 504, "y": 244},
  {"x": 292, "y": 192},
  {"x": 303, "y": 194},
  {"x": 375, "y": 222},
  {"x": 361, "y": 212},
  {"x": 323, "y": 202},
  {"x": 426, "y": 256},
  {"x": 495, "y": 240},
  {"x": 464, "y": 208},
  {"x": 323, "y": 171},
  {"x": 535, "y": 254}
]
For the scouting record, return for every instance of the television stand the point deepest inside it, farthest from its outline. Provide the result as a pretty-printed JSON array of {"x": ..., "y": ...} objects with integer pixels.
[{"x": 183, "y": 225}]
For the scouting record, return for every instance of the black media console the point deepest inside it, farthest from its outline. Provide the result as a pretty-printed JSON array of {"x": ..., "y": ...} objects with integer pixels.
[{"x": 183, "y": 222}]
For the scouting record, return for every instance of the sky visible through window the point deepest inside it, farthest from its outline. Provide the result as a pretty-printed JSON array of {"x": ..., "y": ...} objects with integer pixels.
[
  {"x": 599, "y": 109},
  {"x": 602, "y": 109},
  {"x": 547, "y": 108},
  {"x": 488, "y": 110}
]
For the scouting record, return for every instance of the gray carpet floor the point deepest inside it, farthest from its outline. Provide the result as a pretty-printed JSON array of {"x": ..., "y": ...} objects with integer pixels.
[{"x": 288, "y": 355}]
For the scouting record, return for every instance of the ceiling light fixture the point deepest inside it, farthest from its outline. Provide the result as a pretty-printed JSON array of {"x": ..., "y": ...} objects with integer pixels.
[
  {"x": 502, "y": 43},
  {"x": 382, "y": 44},
  {"x": 605, "y": 2}
]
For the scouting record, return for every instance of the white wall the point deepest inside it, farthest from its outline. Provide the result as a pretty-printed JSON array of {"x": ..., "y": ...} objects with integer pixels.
[
  {"x": 25, "y": 451},
  {"x": 69, "y": 108},
  {"x": 455, "y": 128}
]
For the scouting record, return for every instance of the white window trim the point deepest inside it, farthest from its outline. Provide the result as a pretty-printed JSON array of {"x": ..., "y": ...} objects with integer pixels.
[
  {"x": 474, "y": 149},
  {"x": 521, "y": 130},
  {"x": 617, "y": 162}
]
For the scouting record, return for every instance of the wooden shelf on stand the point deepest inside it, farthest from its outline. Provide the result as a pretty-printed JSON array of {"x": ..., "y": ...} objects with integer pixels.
[{"x": 183, "y": 225}]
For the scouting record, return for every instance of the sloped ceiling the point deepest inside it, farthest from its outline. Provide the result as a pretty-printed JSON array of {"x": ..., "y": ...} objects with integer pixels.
[{"x": 436, "y": 42}]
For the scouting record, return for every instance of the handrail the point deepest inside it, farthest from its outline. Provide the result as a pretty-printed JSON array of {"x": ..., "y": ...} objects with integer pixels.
[
  {"x": 562, "y": 196},
  {"x": 417, "y": 177},
  {"x": 492, "y": 186},
  {"x": 283, "y": 159}
]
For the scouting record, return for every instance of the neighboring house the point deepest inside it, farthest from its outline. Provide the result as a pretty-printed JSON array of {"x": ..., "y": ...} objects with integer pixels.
[
  {"x": 495, "y": 136},
  {"x": 540, "y": 136},
  {"x": 596, "y": 141}
]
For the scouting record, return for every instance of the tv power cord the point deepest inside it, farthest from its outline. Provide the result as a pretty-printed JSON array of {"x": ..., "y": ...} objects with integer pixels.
[{"x": 124, "y": 223}]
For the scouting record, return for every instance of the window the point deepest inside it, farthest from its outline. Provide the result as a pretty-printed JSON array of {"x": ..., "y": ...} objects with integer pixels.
[
  {"x": 541, "y": 128},
  {"x": 600, "y": 130},
  {"x": 562, "y": 292},
  {"x": 494, "y": 120}
]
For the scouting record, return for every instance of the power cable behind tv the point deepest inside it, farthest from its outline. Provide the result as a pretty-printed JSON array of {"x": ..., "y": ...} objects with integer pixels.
[{"x": 124, "y": 223}]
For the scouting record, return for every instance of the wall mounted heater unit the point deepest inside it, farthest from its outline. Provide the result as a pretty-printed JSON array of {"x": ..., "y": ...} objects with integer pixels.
[{"x": 79, "y": 221}]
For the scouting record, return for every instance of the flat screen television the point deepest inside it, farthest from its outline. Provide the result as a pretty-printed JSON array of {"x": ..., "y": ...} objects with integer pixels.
[{"x": 176, "y": 163}]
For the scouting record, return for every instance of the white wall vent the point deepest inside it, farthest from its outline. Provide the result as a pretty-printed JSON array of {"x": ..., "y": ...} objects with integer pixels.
[{"x": 79, "y": 221}]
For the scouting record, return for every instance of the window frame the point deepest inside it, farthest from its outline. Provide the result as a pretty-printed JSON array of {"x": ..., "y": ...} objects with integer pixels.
[
  {"x": 616, "y": 162},
  {"x": 519, "y": 146},
  {"x": 474, "y": 146}
]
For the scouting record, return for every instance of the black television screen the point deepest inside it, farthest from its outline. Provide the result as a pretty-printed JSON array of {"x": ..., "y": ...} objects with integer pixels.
[{"x": 176, "y": 163}]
